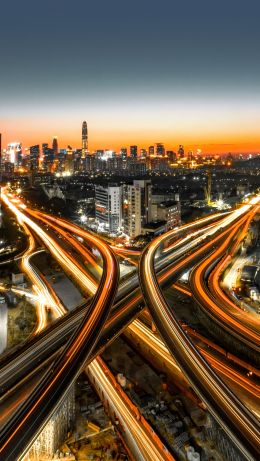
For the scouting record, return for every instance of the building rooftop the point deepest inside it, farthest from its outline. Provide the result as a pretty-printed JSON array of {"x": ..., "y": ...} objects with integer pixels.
[
  {"x": 154, "y": 225},
  {"x": 169, "y": 203}
]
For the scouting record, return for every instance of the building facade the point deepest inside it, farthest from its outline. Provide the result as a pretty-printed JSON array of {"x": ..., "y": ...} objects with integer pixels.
[
  {"x": 108, "y": 207},
  {"x": 132, "y": 210}
]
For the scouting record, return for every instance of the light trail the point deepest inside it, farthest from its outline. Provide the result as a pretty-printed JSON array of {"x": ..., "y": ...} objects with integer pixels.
[
  {"x": 215, "y": 302},
  {"x": 65, "y": 260},
  {"x": 143, "y": 333},
  {"x": 237, "y": 421},
  {"x": 29, "y": 420},
  {"x": 141, "y": 437}
]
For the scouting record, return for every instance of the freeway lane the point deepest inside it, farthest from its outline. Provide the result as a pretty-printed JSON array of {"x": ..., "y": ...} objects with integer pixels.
[
  {"x": 215, "y": 303},
  {"x": 46, "y": 295},
  {"x": 69, "y": 264},
  {"x": 191, "y": 227},
  {"x": 228, "y": 410},
  {"x": 19, "y": 363},
  {"x": 251, "y": 321},
  {"x": 144, "y": 442},
  {"x": 27, "y": 355},
  {"x": 29, "y": 420},
  {"x": 249, "y": 389},
  {"x": 127, "y": 309}
]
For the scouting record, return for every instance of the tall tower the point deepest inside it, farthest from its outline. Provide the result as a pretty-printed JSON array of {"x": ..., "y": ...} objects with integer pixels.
[
  {"x": 133, "y": 152},
  {"x": 84, "y": 139},
  {"x": 55, "y": 146},
  {"x": 181, "y": 152}
]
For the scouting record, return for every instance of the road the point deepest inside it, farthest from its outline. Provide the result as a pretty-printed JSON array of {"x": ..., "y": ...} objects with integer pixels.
[
  {"x": 19, "y": 362},
  {"x": 33, "y": 414},
  {"x": 249, "y": 391},
  {"x": 235, "y": 419},
  {"x": 192, "y": 242},
  {"x": 141, "y": 439},
  {"x": 204, "y": 281}
]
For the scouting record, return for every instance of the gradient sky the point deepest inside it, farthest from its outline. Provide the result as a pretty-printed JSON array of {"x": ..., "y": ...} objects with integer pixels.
[{"x": 180, "y": 72}]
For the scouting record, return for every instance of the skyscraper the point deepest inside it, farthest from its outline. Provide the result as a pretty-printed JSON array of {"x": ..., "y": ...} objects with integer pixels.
[
  {"x": 133, "y": 151},
  {"x": 143, "y": 153},
  {"x": 160, "y": 149},
  {"x": 34, "y": 157},
  {"x": 132, "y": 215},
  {"x": 84, "y": 139},
  {"x": 55, "y": 146},
  {"x": 181, "y": 152},
  {"x": 151, "y": 150},
  {"x": 108, "y": 207},
  {"x": 14, "y": 151},
  {"x": 123, "y": 153}
]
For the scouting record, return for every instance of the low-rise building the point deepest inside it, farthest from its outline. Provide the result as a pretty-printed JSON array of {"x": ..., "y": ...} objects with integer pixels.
[
  {"x": 169, "y": 212},
  {"x": 155, "y": 228}
]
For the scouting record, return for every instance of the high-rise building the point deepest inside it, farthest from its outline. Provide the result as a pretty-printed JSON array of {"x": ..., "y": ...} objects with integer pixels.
[
  {"x": 190, "y": 156},
  {"x": 133, "y": 152},
  {"x": 151, "y": 150},
  {"x": 91, "y": 163},
  {"x": 69, "y": 162},
  {"x": 145, "y": 186},
  {"x": 34, "y": 157},
  {"x": 160, "y": 149},
  {"x": 123, "y": 153},
  {"x": 181, "y": 152},
  {"x": 84, "y": 139},
  {"x": 143, "y": 153},
  {"x": 132, "y": 217},
  {"x": 172, "y": 156},
  {"x": 55, "y": 146},
  {"x": 14, "y": 153},
  {"x": 48, "y": 159},
  {"x": 108, "y": 207},
  {"x": 44, "y": 147}
]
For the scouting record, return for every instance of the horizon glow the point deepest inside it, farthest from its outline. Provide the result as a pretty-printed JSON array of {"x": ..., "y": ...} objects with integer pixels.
[{"x": 137, "y": 73}]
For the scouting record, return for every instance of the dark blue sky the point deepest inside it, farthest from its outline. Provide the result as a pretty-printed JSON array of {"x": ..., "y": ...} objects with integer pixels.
[{"x": 91, "y": 57}]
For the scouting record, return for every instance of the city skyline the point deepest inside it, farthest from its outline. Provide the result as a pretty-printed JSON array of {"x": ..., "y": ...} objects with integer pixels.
[
  {"x": 204, "y": 149},
  {"x": 137, "y": 73}
]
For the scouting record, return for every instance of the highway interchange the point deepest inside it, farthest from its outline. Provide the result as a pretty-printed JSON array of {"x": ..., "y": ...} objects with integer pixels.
[{"x": 71, "y": 343}]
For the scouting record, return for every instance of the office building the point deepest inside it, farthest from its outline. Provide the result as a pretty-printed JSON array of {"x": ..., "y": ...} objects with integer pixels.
[
  {"x": 181, "y": 152},
  {"x": 55, "y": 146},
  {"x": 172, "y": 156},
  {"x": 84, "y": 139},
  {"x": 69, "y": 161},
  {"x": 133, "y": 152},
  {"x": 160, "y": 149},
  {"x": 170, "y": 213},
  {"x": 151, "y": 150},
  {"x": 190, "y": 156},
  {"x": 132, "y": 216},
  {"x": 143, "y": 153},
  {"x": 123, "y": 153},
  {"x": 14, "y": 153},
  {"x": 108, "y": 207},
  {"x": 145, "y": 186},
  {"x": 48, "y": 159},
  {"x": 34, "y": 157}
]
